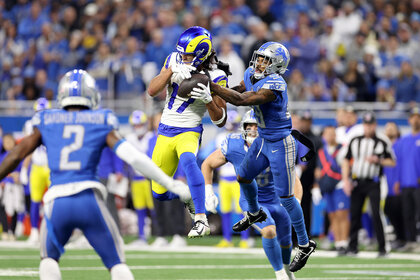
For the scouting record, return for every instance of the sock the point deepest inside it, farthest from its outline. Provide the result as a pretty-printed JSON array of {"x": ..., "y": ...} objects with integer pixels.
[
  {"x": 296, "y": 216},
  {"x": 49, "y": 270},
  {"x": 200, "y": 217},
  {"x": 226, "y": 226},
  {"x": 245, "y": 234},
  {"x": 35, "y": 214},
  {"x": 121, "y": 272},
  {"x": 195, "y": 180},
  {"x": 286, "y": 253},
  {"x": 21, "y": 217},
  {"x": 141, "y": 215},
  {"x": 251, "y": 195},
  {"x": 273, "y": 252},
  {"x": 165, "y": 196}
]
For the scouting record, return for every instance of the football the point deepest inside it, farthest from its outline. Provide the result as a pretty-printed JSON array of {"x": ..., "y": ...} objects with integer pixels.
[{"x": 187, "y": 85}]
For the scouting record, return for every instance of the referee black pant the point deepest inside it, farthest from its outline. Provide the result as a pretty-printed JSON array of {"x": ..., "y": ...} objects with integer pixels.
[{"x": 371, "y": 189}]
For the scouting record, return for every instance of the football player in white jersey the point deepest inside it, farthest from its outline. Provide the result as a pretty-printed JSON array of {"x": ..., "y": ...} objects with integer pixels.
[
  {"x": 181, "y": 123},
  {"x": 141, "y": 192},
  {"x": 39, "y": 175}
]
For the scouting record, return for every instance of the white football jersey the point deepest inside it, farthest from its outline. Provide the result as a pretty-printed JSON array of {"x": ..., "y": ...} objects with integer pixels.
[
  {"x": 141, "y": 144},
  {"x": 39, "y": 156},
  {"x": 186, "y": 112}
]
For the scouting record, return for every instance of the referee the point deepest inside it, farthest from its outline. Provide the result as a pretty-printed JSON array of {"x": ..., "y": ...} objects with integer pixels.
[{"x": 369, "y": 153}]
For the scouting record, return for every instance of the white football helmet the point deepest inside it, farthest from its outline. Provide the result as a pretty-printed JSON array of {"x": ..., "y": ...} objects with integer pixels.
[
  {"x": 276, "y": 54},
  {"x": 78, "y": 88},
  {"x": 249, "y": 135}
]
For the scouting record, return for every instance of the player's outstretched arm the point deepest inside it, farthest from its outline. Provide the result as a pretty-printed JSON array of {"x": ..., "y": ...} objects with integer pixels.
[
  {"x": 213, "y": 161},
  {"x": 18, "y": 153},
  {"x": 217, "y": 111},
  {"x": 243, "y": 99},
  {"x": 143, "y": 164}
]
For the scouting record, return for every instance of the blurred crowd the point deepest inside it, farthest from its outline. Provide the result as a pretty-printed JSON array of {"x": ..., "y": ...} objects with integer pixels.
[{"x": 340, "y": 50}]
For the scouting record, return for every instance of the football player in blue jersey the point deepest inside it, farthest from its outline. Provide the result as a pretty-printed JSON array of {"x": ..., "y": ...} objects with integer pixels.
[
  {"x": 74, "y": 137},
  {"x": 265, "y": 90},
  {"x": 276, "y": 230},
  {"x": 180, "y": 128}
]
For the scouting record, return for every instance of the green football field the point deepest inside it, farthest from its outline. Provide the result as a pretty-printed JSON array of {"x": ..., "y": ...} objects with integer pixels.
[{"x": 208, "y": 262}]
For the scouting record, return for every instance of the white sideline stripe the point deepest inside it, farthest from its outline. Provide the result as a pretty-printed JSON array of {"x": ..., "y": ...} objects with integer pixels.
[
  {"x": 215, "y": 250},
  {"x": 381, "y": 272},
  {"x": 258, "y": 266}
]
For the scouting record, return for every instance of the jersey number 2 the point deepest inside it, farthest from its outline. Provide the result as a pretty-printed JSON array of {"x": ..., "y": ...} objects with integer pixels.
[{"x": 79, "y": 133}]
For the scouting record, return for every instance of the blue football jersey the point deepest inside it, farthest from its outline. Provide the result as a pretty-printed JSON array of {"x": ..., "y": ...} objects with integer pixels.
[
  {"x": 274, "y": 120},
  {"x": 74, "y": 142},
  {"x": 233, "y": 148}
]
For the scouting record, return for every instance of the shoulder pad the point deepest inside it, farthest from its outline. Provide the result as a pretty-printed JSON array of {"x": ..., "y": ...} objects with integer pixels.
[
  {"x": 36, "y": 119},
  {"x": 277, "y": 85},
  {"x": 112, "y": 120}
]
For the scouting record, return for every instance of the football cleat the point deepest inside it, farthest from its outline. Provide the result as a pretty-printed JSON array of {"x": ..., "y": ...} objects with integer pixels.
[
  {"x": 249, "y": 219},
  {"x": 302, "y": 256},
  {"x": 200, "y": 229}
]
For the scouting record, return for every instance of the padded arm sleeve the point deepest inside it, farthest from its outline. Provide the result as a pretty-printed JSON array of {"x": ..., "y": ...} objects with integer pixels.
[{"x": 143, "y": 164}]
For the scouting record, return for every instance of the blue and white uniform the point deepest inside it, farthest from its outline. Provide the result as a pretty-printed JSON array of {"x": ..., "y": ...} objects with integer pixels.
[
  {"x": 275, "y": 146},
  {"x": 234, "y": 148},
  {"x": 74, "y": 142}
]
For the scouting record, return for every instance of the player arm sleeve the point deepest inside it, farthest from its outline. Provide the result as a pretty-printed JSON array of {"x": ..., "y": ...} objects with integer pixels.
[{"x": 142, "y": 163}]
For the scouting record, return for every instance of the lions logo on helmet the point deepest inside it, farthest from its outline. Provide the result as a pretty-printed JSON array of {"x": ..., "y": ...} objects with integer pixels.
[
  {"x": 275, "y": 54},
  {"x": 77, "y": 88},
  {"x": 195, "y": 41},
  {"x": 249, "y": 118},
  {"x": 41, "y": 104}
]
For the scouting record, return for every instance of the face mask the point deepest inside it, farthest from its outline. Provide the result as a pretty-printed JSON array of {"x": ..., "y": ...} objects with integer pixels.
[
  {"x": 140, "y": 131},
  {"x": 250, "y": 139}
]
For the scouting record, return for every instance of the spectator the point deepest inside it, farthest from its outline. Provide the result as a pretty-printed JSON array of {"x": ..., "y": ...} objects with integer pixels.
[
  {"x": 305, "y": 51},
  {"x": 355, "y": 81},
  {"x": 297, "y": 87},
  {"x": 100, "y": 68},
  {"x": 229, "y": 56},
  {"x": 407, "y": 84},
  {"x": 129, "y": 83},
  {"x": 30, "y": 26}
]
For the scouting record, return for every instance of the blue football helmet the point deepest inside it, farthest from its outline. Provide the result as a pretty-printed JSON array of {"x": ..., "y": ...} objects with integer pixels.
[
  {"x": 195, "y": 41},
  {"x": 41, "y": 104},
  {"x": 78, "y": 88},
  {"x": 249, "y": 118},
  {"x": 276, "y": 54}
]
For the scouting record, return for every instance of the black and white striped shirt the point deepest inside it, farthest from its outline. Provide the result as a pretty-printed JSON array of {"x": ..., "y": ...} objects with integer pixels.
[{"x": 360, "y": 148}]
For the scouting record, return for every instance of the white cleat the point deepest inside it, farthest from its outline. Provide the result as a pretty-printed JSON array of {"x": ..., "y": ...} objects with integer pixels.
[
  {"x": 200, "y": 229},
  {"x": 281, "y": 275},
  {"x": 178, "y": 242},
  {"x": 160, "y": 242},
  {"x": 289, "y": 273},
  {"x": 33, "y": 237}
]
